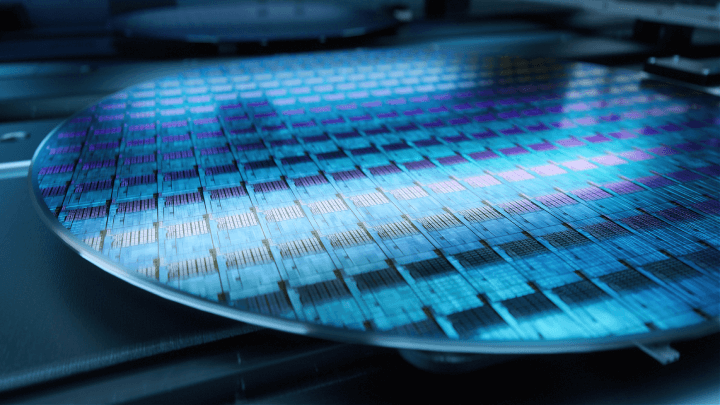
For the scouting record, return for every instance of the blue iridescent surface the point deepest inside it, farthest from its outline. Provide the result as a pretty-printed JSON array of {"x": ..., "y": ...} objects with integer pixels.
[{"x": 407, "y": 192}]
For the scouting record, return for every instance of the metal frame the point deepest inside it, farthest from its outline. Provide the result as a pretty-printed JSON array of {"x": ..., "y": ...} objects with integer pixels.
[{"x": 671, "y": 13}]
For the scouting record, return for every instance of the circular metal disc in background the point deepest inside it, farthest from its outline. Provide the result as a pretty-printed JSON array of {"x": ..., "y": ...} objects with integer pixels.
[
  {"x": 231, "y": 23},
  {"x": 405, "y": 197}
]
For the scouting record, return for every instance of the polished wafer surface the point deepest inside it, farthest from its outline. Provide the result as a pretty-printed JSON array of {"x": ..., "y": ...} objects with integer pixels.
[{"x": 408, "y": 192}]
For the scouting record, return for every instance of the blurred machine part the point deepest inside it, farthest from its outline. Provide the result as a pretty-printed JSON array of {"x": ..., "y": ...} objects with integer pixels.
[{"x": 690, "y": 13}]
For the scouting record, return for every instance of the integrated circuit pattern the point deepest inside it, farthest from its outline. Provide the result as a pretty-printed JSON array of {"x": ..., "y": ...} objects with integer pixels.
[{"x": 411, "y": 192}]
